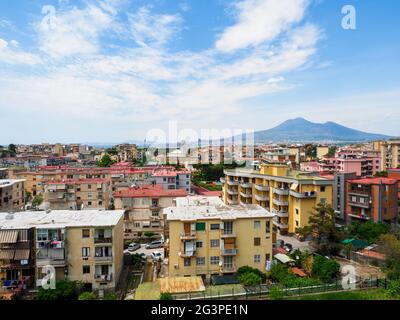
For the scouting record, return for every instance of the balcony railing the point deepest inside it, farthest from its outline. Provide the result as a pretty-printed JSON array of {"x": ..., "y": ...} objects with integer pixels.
[
  {"x": 280, "y": 225},
  {"x": 260, "y": 187},
  {"x": 232, "y": 192},
  {"x": 261, "y": 198},
  {"x": 103, "y": 277},
  {"x": 232, "y": 201},
  {"x": 188, "y": 235},
  {"x": 229, "y": 252},
  {"x": 246, "y": 185},
  {"x": 222, "y": 180},
  {"x": 282, "y": 192},
  {"x": 280, "y": 202},
  {"x": 228, "y": 234},
  {"x": 281, "y": 213},
  {"x": 103, "y": 258},
  {"x": 228, "y": 268},
  {"x": 232, "y": 182},
  {"x": 246, "y": 195},
  {"x": 303, "y": 195},
  {"x": 360, "y": 205},
  {"x": 103, "y": 240},
  {"x": 187, "y": 254}
]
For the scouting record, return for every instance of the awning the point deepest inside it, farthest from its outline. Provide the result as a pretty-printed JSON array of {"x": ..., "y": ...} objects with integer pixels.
[
  {"x": 283, "y": 258},
  {"x": 294, "y": 186},
  {"x": 7, "y": 254},
  {"x": 22, "y": 254},
  {"x": 8, "y": 236}
]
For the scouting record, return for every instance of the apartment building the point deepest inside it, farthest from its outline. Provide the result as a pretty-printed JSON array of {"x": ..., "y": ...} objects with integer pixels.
[
  {"x": 288, "y": 193},
  {"x": 322, "y": 151},
  {"x": 207, "y": 238},
  {"x": 372, "y": 199},
  {"x": 12, "y": 195},
  {"x": 76, "y": 194},
  {"x": 126, "y": 152},
  {"x": 390, "y": 154},
  {"x": 85, "y": 246},
  {"x": 3, "y": 173},
  {"x": 143, "y": 207},
  {"x": 172, "y": 179},
  {"x": 340, "y": 193}
]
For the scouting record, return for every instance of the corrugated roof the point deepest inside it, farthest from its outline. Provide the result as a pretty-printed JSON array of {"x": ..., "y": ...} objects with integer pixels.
[{"x": 8, "y": 236}]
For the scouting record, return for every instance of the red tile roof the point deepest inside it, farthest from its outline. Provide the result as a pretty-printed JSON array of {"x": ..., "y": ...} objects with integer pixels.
[
  {"x": 374, "y": 181},
  {"x": 207, "y": 193},
  {"x": 145, "y": 191},
  {"x": 298, "y": 272}
]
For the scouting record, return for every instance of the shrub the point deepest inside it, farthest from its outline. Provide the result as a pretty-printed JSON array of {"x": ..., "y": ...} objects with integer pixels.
[
  {"x": 393, "y": 289},
  {"x": 110, "y": 296},
  {"x": 247, "y": 269},
  {"x": 280, "y": 273},
  {"x": 250, "y": 279},
  {"x": 87, "y": 296},
  {"x": 276, "y": 292},
  {"x": 65, "y": 290},
  {"x": 325, "y": 269},
  {"x": 166, "y": 296}
]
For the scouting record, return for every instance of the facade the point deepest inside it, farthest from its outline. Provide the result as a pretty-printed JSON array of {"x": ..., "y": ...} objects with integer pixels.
[
  {"x": 289, "y": 194},
  {"x": 322, "y": 151},
  {"x": 390, "y": 154},
  {"x": 340, "y": 193},
  {"x": 3, "y": 173},
  {"x": 84, "y": 246},
  {"x": 143, "y": 207},
  {"x": 12, "y": 195},
  {"x": 76, "y": 194},
  {"x": 372, "y": 199},
  {"x": 172, "y": 179},
  {"x": 207, "y": 238}
]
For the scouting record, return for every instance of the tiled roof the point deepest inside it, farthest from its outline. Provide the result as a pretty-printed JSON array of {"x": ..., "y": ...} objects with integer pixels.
[
  {"x": 77, "y": 181},
  {"x": 374, "y": 181}
]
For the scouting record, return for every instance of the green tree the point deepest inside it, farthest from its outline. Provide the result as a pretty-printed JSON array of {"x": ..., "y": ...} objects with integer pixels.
[
  {"x": 368, "y": 231},
  {"x": 87, "y": 296},
  {"x": 28, "y": 196},
  {"x": 325, "y": 269},
  {"x": 331, "y": 151},
  {"x": 149, "y": 234},
  {"x": 383, "y": 174},
  {"x": 112, "y": 151},
  {"x": 247, "y": 269},
  {"x": 393, "y": 290},
  {"x": 105, "y": 161},
  {"x": 325, "y": 237},
  {"x": 391, "y": 249},
  {"x": 250, "y": 279},
  {"x": 166, "y": 296},
  {"x": 12, "y": 150},
  {"x": 65, "y": 290},
  {"x": 110, "y": 296},
  {"x": 37, "y": 201}
]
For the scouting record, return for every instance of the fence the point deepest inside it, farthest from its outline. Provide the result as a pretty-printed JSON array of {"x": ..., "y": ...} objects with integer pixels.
[{"x": 263, "y": 291}]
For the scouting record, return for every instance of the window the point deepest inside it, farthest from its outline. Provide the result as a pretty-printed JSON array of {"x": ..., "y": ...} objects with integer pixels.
[
  {"x": 353, "y": 199},
  {"x": 214, "y": 243},
  {"x": 257, "y": 224},
  {"x": 42, "y": 235},
  {"x": 214, "y": 260},
  {"x": 186, "y": 262},
  {"x": 214, "y": 226},
  {"x": 85, "y": 252},
  {"x": 297, "y": 223},
  {"x": 200, "y": 261},
  {"x": 257, "y": 258},
  {"x": 297, "y": 211},
  {"x": 89, "y": 186},
  {"x": 199, "y": 244},
  {"x": 200, "y": 226},
  {"x": 85, "y": 233},
  {"x": 257, "y": 241},
  {"x": 89, "y": 203},
  {"x": 86, "y": 269},
  {"x": 322, "y": 189}
]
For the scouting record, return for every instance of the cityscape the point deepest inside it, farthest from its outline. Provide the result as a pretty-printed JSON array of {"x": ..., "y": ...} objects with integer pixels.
[{"x": 148, "y": 154}]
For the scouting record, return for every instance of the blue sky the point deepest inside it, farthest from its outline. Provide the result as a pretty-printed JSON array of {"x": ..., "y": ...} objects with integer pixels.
[{"x": 111, "y": 70}]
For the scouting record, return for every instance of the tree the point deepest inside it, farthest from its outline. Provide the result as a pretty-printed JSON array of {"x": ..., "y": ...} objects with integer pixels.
[
  {"x": 28, "y": 196},
  {"x": 250, "y": 279},
  {"x": 166, "y": 296},
  {"x": 87, "y": 296},
  {"x": 247, "y": 269},
  {"x": 331, "y": 151},
  {"x": 368, "y": 231},
  {"x": 149, "y": 234},
  {"x": 105, "y": 161},
  {"x": 391, "y": 249},
  {"x": 110, "y": 296},
  {"x": 12, "y": 150},
  {"x": 37, "y": 201},
  {"x": 325, "y": 237},
  {"x": 325, "y": 269},
  {"x": 383, "y": 174},
  {"x": 65, "y": 290}
]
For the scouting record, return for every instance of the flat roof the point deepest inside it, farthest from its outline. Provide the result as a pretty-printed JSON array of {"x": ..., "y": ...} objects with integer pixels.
[
  {"x": 9, "y": 182},
  {"x": 209, "y": 208},
  {"x": 60, "y": 219},
  {"x": 374, "y": 181},
  {"x": 146, "y": 191}
]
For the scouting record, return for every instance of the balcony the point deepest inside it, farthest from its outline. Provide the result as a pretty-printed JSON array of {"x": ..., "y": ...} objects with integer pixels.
[
  {"x": 232, "y": 182},
  {"x": 103, "y": 258},
  {"x": 187, "y": 254},
  {"x": 359, "y": 216},
  {"x": 188, "y": 235},
  {"x": 279, "y": 202},
  {"x": 281, "y": 226},
  {"x": 246, "y": 185},
  {"x": 303, "y": 195},
  {"x": 103, "y": 240},
  {"x": 281, "y": 192},
  {"x": 228, "y": 234},
  {"x": 232, "y": 192},
  {"x": 228, "y": 268},
  {"x": 246, "y": 195},
  {"x": 103, "y": 277},
  {"x": 222, "y": 180},
  {"x": 232, "y": 201},
  {"x": 360, "y": 205},
  {"x": 261, "y": 198},
  {"x": 155, "y": 207},
  {"x": 229, "y": 252},
  {"x": 260, "y": 187},
  {"x": 281, "y": 214}
]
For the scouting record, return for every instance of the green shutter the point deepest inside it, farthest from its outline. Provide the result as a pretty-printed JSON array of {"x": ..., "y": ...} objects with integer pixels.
[{"x": 200, "y": 226}]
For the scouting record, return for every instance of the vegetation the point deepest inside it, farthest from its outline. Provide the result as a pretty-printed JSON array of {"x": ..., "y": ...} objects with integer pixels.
[
  {"x": 212, "y": 172},
  {"x": 11, "y": 151},
  {"x": 65, "y": 290},
  {"x": 28, "y": 196},
  {"x": 148, "y": 291},
  {"x": 106, "y": 161},
  {"x": 112, "y": 151},
  {"x": 249, "y": 276},
  {"x": 383, "y": 174},
  {"x": 311, "y": 150},
  {"x": 166, "y": 296},
  {"x": 281, "y": 274},
  {"x": 376, "y": 294},
  {"x": 332, "y": 151},
  {"x": 276, "y": 292},
  {"x": 391, "y": 248},
  {"x": 110, "y": 296},
  {"x": 87, "y": 296},
  {"x": 37, "y": 201},
  {"x": 149, "y": 234},
  {"x": 325, "y": 237},
  {"x": 367, "y": 231},
  {"x": 325, "y": 269}
]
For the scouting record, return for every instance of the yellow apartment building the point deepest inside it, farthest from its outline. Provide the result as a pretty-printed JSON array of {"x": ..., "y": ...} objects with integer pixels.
[
  {"x": 390, "y": 154},
  {"x": 12, "y": 194},
  {"x": 85, "y": 245},
  {"x": 207, "y": 238},
  {"x": 289, "y": 194}
]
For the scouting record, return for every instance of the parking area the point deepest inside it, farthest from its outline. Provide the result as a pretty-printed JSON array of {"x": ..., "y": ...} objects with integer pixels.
[
  {"x": 297, "y": 244},
  {"x": 147, "y": 252}
]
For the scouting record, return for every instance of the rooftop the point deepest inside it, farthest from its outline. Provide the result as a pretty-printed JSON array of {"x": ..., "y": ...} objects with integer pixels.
[
  {"x": 60, "y": 219},
  {"x": 9, "y": 182},
  {"x": 77, "y": 181},
  {"x": 374, "y": 181},
  {"x": 197, "y": 207},
  {"x": 150, "y": 191}
]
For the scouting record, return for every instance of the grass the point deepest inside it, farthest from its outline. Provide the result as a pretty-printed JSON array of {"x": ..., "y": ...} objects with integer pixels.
[
  {"x": 376, "y": 294},
  {"x": 148, "y": 291}
]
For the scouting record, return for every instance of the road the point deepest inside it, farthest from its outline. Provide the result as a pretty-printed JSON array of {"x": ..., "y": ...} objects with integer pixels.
[{"x": 147, "y": 252}]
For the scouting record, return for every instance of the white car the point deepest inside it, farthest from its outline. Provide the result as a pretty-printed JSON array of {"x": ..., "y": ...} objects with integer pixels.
[{"x": 157, "y": 256}]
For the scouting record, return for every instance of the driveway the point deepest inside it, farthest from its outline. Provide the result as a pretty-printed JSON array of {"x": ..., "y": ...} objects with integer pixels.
[
  {"x": 301, "y": 245},
  {"x": 147, "y": 252}
]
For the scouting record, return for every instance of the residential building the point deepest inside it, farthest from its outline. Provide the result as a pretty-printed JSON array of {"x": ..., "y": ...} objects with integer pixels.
[
  {"x": 207, "y": 237},
  {"x": 372, "y": 199},
  {"x": 12, "y": 195},
  {"x": 340, "y": 193},
  {"x": 126, "y": 152},
  {"x": 143, "y": 207},
  {"x": 76, "y": 194},
  {"x": 3, "y": 173},
  {"x": 85, "y": 246},
  {"x": 172, "y": 179},
  {"x": 390, "y": 154},
  {"x": 288, "y": 193},
  {"x": 322, "y": 151}
]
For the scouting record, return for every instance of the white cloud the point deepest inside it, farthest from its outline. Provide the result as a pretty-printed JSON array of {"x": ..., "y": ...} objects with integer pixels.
[
  {"x": 10, "y": 54},
  {"x": 258, "y": 21}
]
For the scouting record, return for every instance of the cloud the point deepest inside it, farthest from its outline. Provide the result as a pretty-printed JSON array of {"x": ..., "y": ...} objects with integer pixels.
[
  {"x": 10, "y": 54},
  {"x": 258, "y": 21}
]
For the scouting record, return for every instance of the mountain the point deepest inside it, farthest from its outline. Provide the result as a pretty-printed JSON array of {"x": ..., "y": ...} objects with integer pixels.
[{"x": 302, "y": 130}]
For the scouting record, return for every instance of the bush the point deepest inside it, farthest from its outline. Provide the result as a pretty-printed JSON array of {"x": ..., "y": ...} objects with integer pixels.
[
  {"x": 325, "y": 269},
  {"x": 280, "y": 274},
  {"x": 110, "y": 296},
  {"x": 393, "y": 290},
  {"x": 246, "y": 269},
  {"x": 166, "y": 296},
  {"x": 276, "y": 292},
  {"x": 87, "y": 296},
  {"x": 250, "y": 279},
  {"x": 368, "y": 231},
  {"x": 65, "y": 290}
]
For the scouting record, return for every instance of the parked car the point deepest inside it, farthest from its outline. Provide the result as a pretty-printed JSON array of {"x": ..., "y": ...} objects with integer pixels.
[
  {"x": 157, "y": 256},
  {"x": 155, "y": 244},
  {"x": 133, "y": 247},
  {"x": 288, "y": 247},
  {"x": 143, "y": 256},
  {"x": 280, "y": 243}
]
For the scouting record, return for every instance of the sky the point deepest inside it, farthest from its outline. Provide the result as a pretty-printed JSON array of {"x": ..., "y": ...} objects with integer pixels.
[{"x": 114, "y": 70}]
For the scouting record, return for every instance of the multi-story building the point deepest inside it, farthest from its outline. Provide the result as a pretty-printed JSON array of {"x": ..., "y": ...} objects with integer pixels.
[
  {"x": 85, "y": 246},
  {"x": 207, "y": 238},
  {"x": 288, "y": 193},
  {"x": 12, "y": 195},
  {"x": 340, "y": 193},
  {"x": 172, "y": 179},
  {"x": 126, "y": 152},
  {"x": 76, "y": 194},
  {"x": 3, "y": 173},
  {"x": 390, "y": 154},
  {"x": 372, "y": 199},
  {"x": 143, "y": 207},
  {"x": 322, "y": 151}
]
